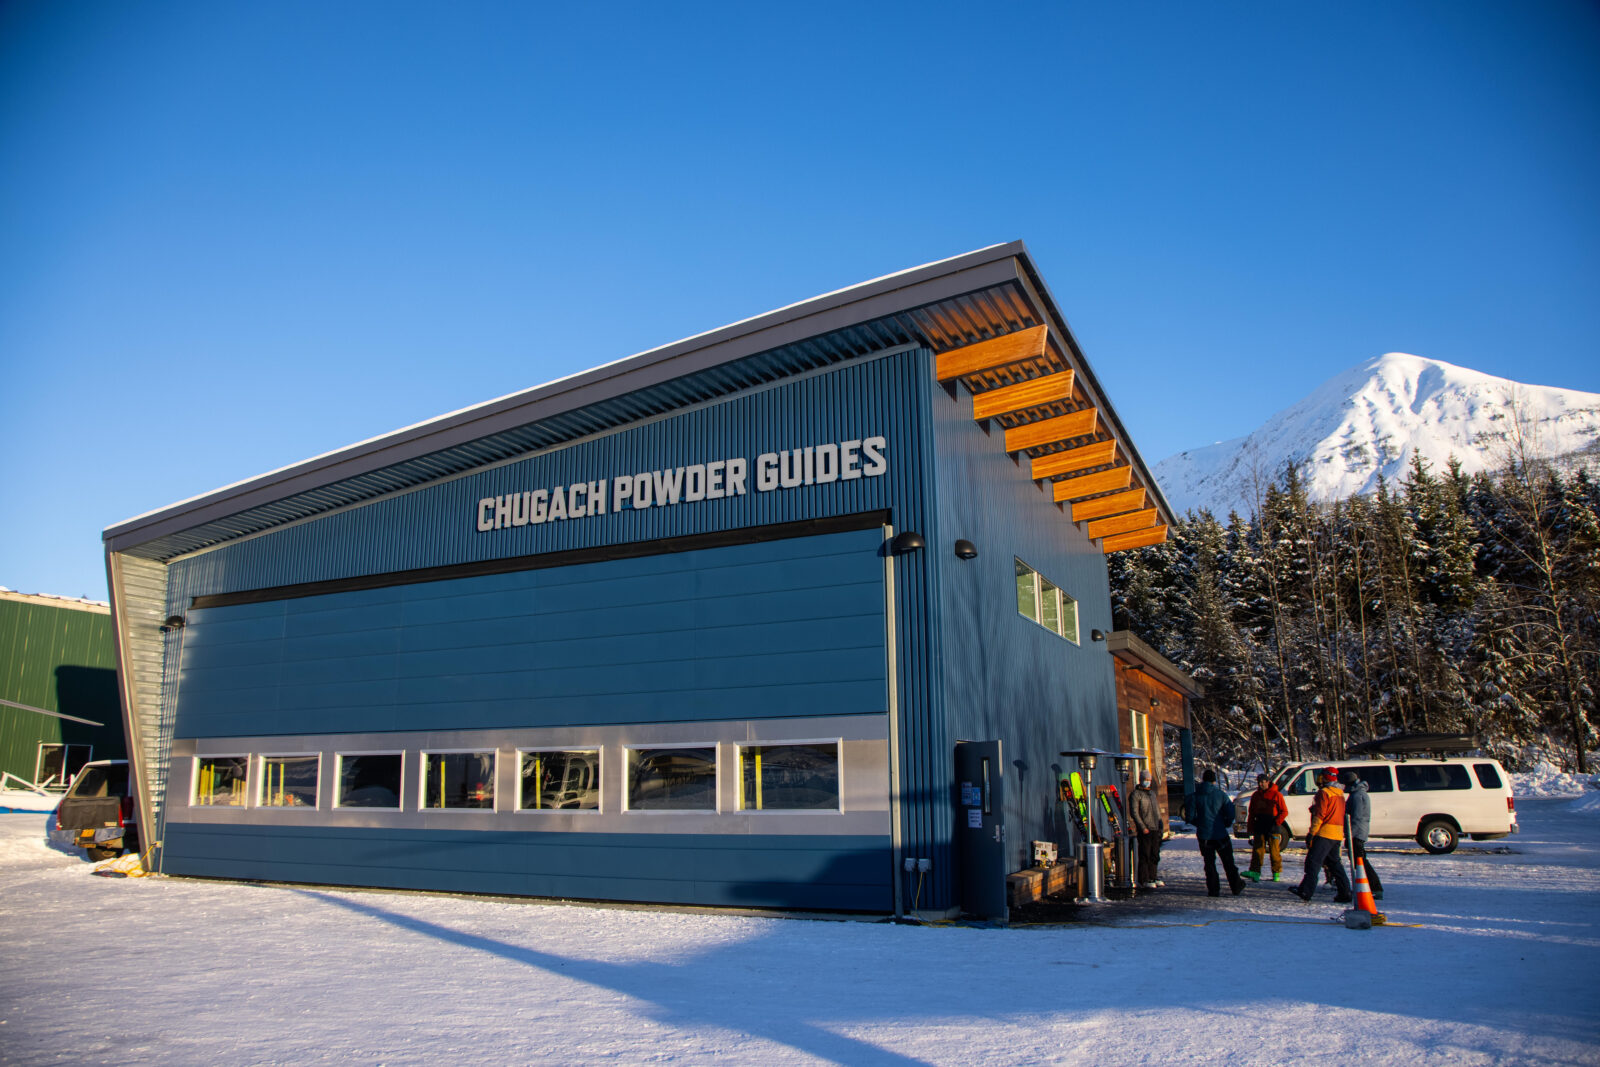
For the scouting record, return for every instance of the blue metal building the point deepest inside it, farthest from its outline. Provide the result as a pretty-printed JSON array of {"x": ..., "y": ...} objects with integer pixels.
[{"x": 703, "y": 626}]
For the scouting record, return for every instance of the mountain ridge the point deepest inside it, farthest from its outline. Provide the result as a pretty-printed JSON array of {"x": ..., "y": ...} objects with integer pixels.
[{"x": 1368, "y": 421}]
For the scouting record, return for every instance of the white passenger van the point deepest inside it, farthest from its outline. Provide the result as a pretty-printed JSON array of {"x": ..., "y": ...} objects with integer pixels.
[{"x": 1434, "y": 800}]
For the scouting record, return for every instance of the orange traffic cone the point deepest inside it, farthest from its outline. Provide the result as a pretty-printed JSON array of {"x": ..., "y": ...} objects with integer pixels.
[{"x": 1364, "y": 901}]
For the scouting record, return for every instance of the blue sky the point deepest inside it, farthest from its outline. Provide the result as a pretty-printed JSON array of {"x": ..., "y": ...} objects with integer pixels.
[{"x": 235, "y": 235}]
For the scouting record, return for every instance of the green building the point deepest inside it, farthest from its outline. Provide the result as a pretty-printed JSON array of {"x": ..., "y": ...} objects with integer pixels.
[{"x": 58, "y": 688}]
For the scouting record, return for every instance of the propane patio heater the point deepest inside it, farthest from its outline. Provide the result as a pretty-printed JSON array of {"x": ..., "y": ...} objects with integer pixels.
[{"x": 1091, "y": 859}]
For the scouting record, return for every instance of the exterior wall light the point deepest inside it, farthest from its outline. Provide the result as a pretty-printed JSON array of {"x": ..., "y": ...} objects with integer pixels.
[
  {"x": 910, "y": 541},
  {"x": 174, "y": 622},
  {"x": 966, "y": 549},
  {"x": 1097, "y": 635}
]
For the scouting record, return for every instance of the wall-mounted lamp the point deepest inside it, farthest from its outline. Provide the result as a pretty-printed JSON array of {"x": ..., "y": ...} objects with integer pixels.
[
  {"x": 1096, "y": 635},
  {"x": 966, "y": 549},
  {"x": 1155, "y": 702},
  {"x": 909, "y": 541},
  {"x": 174, "y": 622}
]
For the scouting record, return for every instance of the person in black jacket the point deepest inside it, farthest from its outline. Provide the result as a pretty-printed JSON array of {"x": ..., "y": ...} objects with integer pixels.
[
  {"x": 1211, "y": 811},
  {"x": 1145, "y": 815}
]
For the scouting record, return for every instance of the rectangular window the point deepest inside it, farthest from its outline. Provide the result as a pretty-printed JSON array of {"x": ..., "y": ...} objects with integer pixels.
[
  {"x": 1069, "y": 618},
  {"x": 1027, "y": 592},
  {"x": 1378, "y": 778},
  {"x": 219, "y": 781},
  {"x": 370, "y": 781},
  {"x": 800, "y": 777},
  {"x": 1042, "y": 600},
  {"x": 672, "y": 779},
  {"x": 560, "y": 780},
  {"x": 458, "y": 780},
  {"x": 1304, "y": 784},
  {"x": 56, "y": 765},
  {"x": 1488, "y": 775},
  {"x": 1139, "y": 731},
  {"x": 289, "y": 781},
  {"x": 1049, "y": 606},
  {"x": 1421, "y": 777}
]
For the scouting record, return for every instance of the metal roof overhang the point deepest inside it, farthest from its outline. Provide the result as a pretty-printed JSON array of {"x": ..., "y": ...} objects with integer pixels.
[{"x": 942, "y": 305}]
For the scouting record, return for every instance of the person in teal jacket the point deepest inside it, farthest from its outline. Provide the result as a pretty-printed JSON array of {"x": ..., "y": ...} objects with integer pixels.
[{"x": 1211, "y": 811}]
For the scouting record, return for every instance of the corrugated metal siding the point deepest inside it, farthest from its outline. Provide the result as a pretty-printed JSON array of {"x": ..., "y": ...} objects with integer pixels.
[
  {"x": 436, "y": 525},
  {"x": 1005, "y": 676},
  {"x": 59, "y": 659},
  {"x": 939, "y": 326},
  {"x": 139, "y": 595}
]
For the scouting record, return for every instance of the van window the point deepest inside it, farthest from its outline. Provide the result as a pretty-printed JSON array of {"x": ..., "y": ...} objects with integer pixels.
[
  {"x": 1377, "y": 777},
  {"x": 1303, "y": 785},
  {"x": 1488, "y": 775},
  {"x": 1416, "y": 777}
]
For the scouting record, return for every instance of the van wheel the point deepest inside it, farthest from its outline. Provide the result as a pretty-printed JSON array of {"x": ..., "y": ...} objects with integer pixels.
[
  {"x": 102, "y": 853},
  {"x": 1285, "y": 838},
  {"x": 1437, "y": 836}
]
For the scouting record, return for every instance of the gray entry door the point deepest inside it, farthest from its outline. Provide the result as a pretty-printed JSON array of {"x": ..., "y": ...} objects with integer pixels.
[{"x": 980, "y": 829}]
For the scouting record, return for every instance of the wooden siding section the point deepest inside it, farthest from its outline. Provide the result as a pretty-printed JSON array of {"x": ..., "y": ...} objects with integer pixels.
[
  {"x": 1084, "y": 458},
  {"x": 1092, "y": 484},
  {"x": 1121, "y": 524},
  {"x": 1052, "y": 388},
  {"x": 976, "y": 358},
  {"x": 1115, "y": 504},
  {"x": 1137, "y": 539},
  {"x": 1066, "y": 436},
  {"x": 1083, "y": 423}
]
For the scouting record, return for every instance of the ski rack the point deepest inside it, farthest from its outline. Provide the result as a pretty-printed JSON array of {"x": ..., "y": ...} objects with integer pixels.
[{"x": 1437, "y": 746}]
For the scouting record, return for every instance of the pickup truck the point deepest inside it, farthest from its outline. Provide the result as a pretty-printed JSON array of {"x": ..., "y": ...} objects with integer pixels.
[{"x": 98, "y": 810}]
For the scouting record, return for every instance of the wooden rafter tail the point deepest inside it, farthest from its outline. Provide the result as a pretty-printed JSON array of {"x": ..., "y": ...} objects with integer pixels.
[
  {"x": 1115, "y": 504},
  {"x": 1023, "y": 395},
  {"x": 1074, "y": 459},
  {"x": 1136, "y": 539},
  {"x": 995, "y": 352},
  {"x": 1092, "y": 484},
  {"x": 1121, "y": 524},
  {"x": 1083, "y": 423}
]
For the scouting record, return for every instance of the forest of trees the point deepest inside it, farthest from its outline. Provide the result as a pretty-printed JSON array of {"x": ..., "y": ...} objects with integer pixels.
[{"x": 1445, "y": 603}]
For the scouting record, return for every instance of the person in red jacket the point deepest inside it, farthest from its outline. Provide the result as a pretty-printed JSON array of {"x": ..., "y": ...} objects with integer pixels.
[
  {"x": 1267, "y": 812},
  {"x": 1322, "y": 843}
]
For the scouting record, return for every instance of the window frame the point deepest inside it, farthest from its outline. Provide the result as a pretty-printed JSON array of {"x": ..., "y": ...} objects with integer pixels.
[
  {"x": 66, "y": 748},
  {"x": 1444, "y": 768},
  {"x": 738, "y": 770},
  {"x": 1065, "y": 603},
  {"x": 600, "y": 762},
  {"x": 259, "y": 789},
  {"x": 422, "y": 778},
  {"x": 338, "y": 780},
  {"x": 194, "y": 780},
  {"x": 716, "y": 789},
  {"x": 1139, "y": 730}
]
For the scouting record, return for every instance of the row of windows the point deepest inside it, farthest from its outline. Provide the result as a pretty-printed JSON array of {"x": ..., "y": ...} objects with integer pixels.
[
  {"x": 1040, "y": 599},
  {"x": 799, "y": 776}
]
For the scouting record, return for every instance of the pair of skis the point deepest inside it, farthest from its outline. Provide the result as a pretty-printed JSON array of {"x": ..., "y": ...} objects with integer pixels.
[{"x": 1076, "y": 797}]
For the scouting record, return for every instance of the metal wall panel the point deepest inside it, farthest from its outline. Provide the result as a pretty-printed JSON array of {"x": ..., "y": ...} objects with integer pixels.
[
  {"x": 768, "y": 630},
  {"x": 829, "y": 873},
  {"x": 62, "y": 659}
]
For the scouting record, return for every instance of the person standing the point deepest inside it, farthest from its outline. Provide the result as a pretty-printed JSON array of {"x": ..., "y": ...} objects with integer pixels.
[
  {"x": 1212, "y": 813},
  {"x": 1267, "y": 813},
  {"x": 1358, "y": 813},
  {"x": 1145, "y": 816},
  {"x": 1324, "y": 841}
]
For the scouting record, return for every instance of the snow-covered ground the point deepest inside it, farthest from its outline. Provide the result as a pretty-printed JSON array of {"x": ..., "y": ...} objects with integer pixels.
[{"x": 1499, "y": 968}]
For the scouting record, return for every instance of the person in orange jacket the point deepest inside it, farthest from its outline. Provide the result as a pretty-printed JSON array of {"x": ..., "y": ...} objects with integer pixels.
[
  {"x": 1322, "y": 843},
  {"x": 1268, "y": 810}
]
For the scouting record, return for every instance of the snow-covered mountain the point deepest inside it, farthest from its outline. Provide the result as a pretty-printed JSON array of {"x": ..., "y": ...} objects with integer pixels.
[{"x": 1369, "y": 420}]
